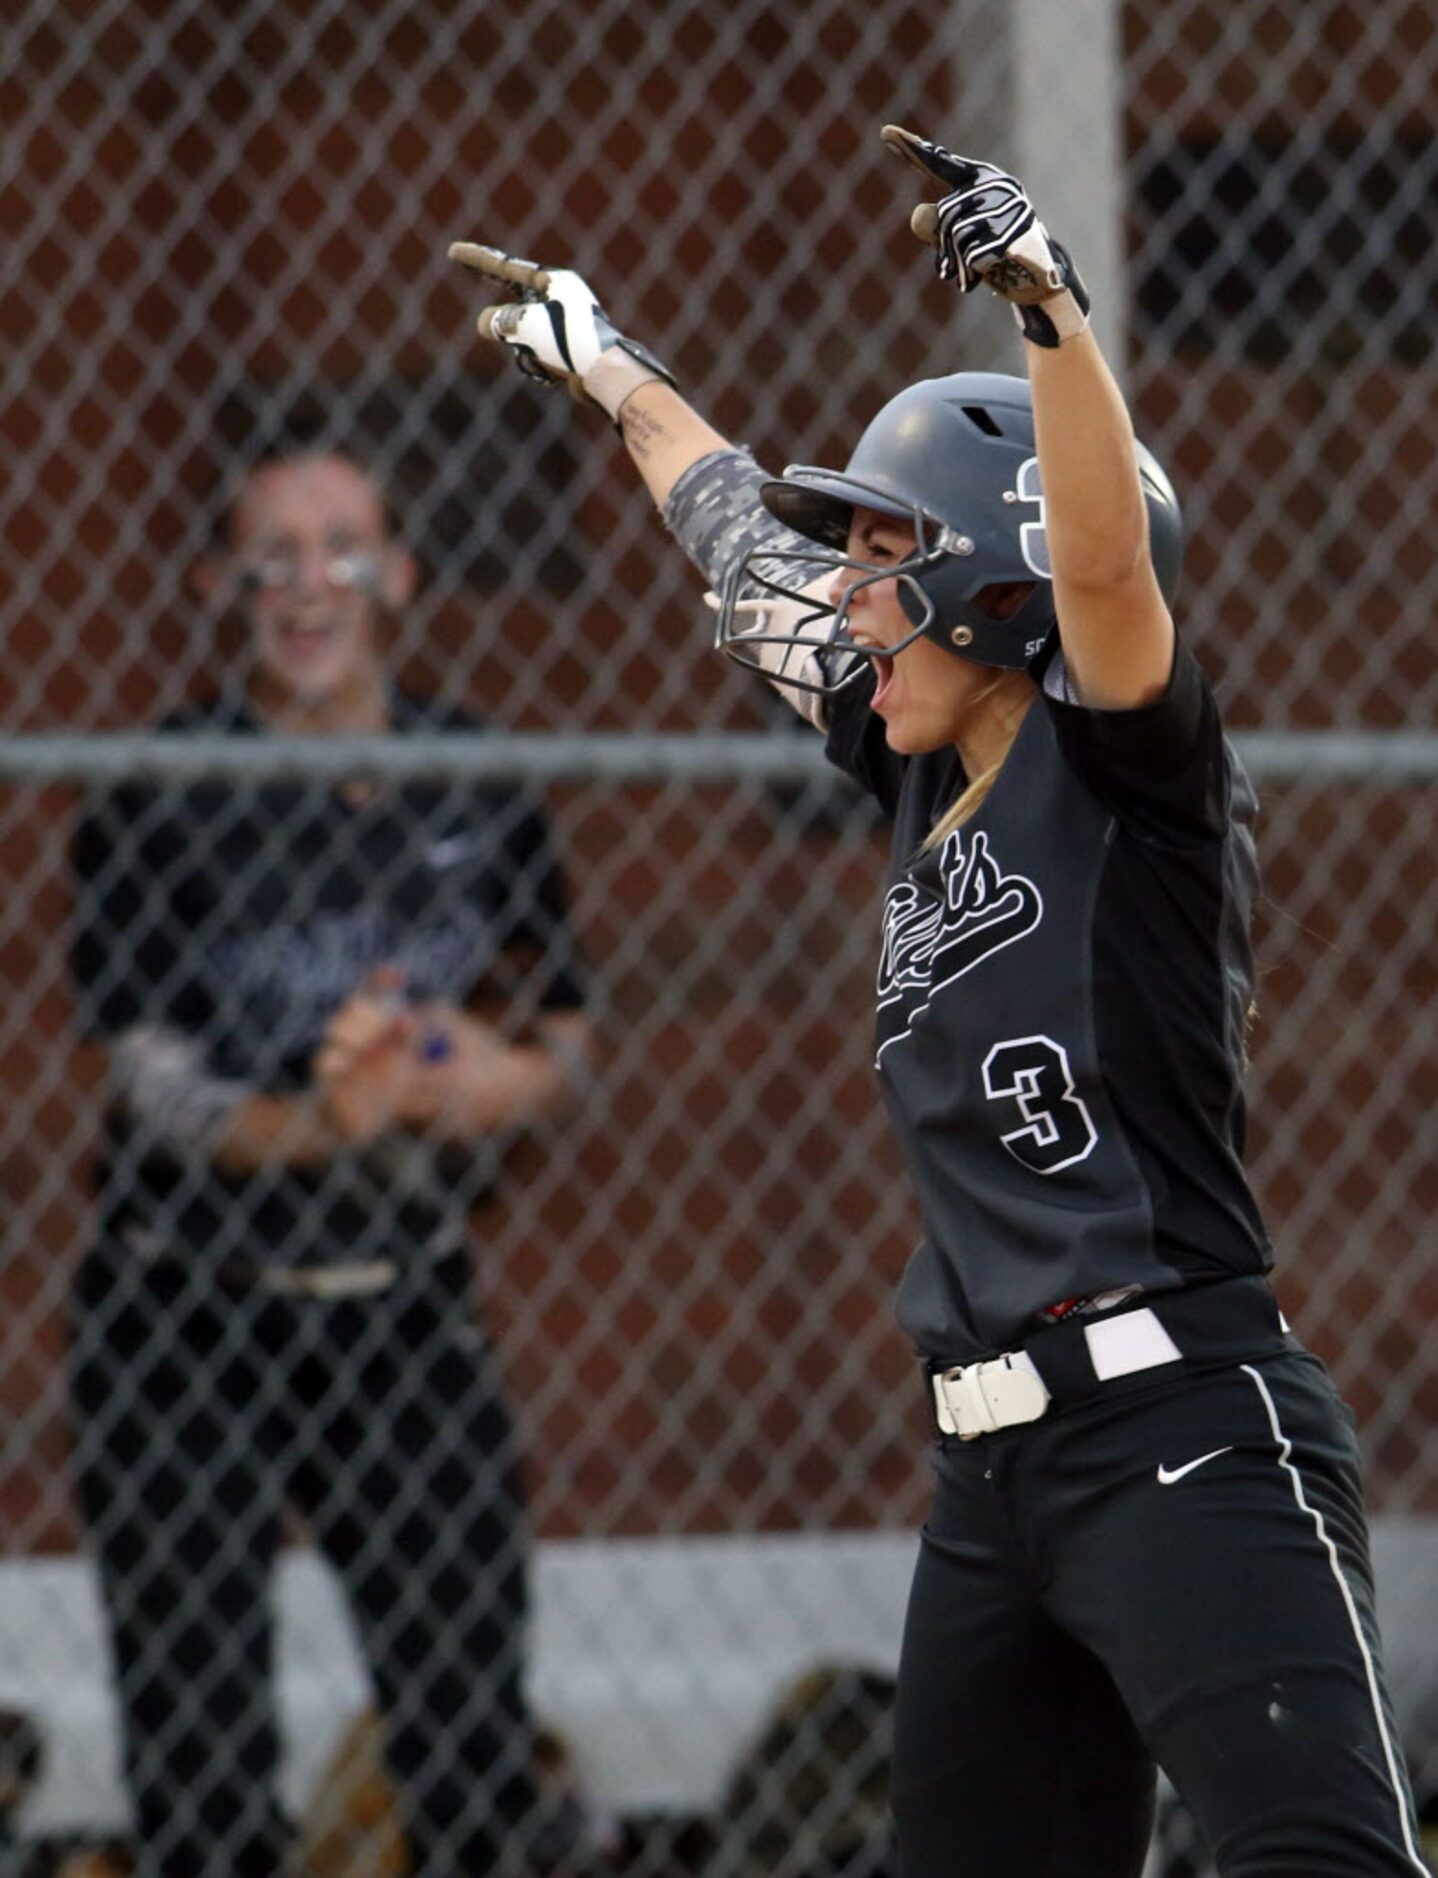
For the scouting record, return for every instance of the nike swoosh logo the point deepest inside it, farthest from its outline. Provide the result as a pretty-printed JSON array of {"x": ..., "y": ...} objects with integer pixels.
[{"x": 1167, "y": 1475}]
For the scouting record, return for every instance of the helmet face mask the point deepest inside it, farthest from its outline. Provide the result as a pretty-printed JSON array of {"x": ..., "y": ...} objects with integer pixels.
[
  {"x": 954, "y": 458},
  {"x": 755, "y": 586}
]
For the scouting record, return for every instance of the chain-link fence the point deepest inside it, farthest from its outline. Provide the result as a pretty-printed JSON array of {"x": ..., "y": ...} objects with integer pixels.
[{"x": 226, "y": 220}]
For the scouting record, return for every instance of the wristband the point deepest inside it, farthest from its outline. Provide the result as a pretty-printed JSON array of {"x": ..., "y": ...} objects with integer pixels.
[{"x": 1053, "y": 322}]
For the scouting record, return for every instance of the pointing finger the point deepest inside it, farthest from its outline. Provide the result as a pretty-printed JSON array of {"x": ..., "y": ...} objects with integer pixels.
[
  {"x": 528, "y": 276},
  {"x": 930, "y": 159}
]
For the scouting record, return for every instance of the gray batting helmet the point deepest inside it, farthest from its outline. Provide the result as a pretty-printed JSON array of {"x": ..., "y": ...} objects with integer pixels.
[{"x": 956, "y": 457}]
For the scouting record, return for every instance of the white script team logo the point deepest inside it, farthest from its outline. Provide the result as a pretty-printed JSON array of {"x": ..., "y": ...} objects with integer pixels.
[{"x": 928, "y": 942}]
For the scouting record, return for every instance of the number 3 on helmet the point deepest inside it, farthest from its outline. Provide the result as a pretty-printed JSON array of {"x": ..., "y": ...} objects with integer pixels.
[{"x": 955, "y": 457}]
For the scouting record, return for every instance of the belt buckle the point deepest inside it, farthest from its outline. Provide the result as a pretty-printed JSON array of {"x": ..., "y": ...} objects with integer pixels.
[
  {"x": 961, "y": 1405},
  {"x": 980, "y": 1398}
]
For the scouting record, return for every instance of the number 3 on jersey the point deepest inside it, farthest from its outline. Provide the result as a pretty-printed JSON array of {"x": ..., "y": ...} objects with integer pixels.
[{"x": 1057, "y": 1129}]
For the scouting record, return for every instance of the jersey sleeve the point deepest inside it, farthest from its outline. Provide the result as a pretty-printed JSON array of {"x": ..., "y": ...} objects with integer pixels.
[
  {"x": 539, "y": 953},
  {"x": 127, "y": 954},
  {"x": 1163, "y": 767}
]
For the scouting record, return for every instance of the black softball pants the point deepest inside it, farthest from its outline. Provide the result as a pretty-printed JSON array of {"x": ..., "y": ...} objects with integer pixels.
[
  {"x": 203, "y": 1412},
  {"x": 1171, "y": 1573}
]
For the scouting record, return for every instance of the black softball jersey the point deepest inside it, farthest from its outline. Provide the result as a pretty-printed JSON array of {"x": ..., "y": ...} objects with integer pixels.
[
  {"x": 1063, "y": 989},
  {"x": 244, "y": 916}
]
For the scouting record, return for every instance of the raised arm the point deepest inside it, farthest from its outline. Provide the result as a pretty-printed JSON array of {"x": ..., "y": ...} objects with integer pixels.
[
  {"x": 559, "y": 334},
  {"x": 1114, "y": 625},
  {"x": 706, "y": 489}
]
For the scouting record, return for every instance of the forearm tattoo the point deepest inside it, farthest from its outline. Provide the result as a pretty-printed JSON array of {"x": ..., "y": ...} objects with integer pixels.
[{"x": 642, "y": 430}]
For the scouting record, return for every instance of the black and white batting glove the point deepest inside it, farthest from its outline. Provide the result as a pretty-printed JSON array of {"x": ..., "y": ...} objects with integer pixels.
[
  {"x": 985, "y": 231},
  {"x": 557, "y": 330}
]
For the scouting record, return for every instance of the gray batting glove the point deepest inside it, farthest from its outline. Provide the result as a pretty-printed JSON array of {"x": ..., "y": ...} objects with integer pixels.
[
  {"x": 557, "y": 330},
  {"x": 986, "y": 232}
]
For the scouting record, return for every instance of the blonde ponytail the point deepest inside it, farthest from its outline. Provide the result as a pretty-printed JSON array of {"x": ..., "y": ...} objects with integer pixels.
[
  {"x": 967, "y": 806},
  {"x": 976, "y": 791}
]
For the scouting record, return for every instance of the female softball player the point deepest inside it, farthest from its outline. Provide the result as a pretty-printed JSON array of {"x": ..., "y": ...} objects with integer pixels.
[{"x": 1147, "y": 1544}]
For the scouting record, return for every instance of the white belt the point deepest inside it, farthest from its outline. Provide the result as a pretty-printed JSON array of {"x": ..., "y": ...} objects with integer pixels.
[
  {"x": 1008, "y": 1390},
  {"x": 984, "y": 1397}
]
